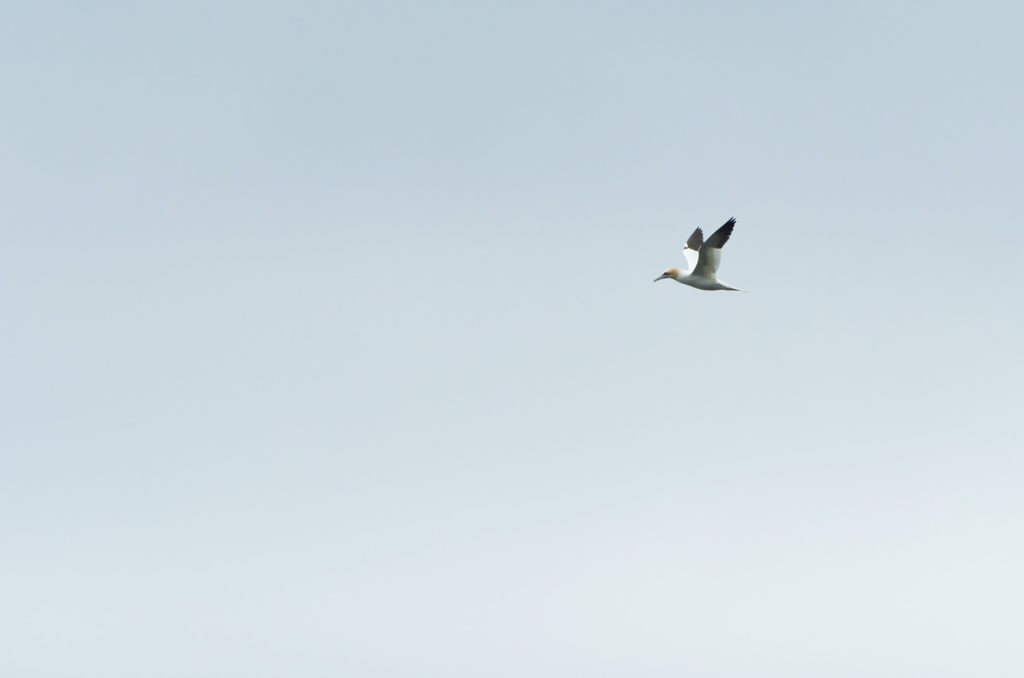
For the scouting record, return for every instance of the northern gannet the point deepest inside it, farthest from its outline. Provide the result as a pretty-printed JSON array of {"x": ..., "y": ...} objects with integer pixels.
[{"x": 703, "y": 258}]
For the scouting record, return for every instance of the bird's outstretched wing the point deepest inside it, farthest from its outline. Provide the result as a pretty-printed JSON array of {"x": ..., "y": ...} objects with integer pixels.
[
  {"x": 711, "y": 252},
  {"x": 692, "y": 247}
]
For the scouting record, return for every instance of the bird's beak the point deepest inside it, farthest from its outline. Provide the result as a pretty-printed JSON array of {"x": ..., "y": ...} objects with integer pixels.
[{"x": 660, "y": 277}]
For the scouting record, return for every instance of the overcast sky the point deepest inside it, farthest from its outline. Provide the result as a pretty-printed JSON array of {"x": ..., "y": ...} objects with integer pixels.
[{"x": 331, "y": 346}]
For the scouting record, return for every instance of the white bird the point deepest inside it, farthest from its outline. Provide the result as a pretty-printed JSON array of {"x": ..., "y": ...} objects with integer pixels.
[{"x": 703, "y": 259}]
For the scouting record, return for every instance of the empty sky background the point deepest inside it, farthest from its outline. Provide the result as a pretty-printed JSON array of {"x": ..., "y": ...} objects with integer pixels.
[{"x": 330, "y": 346}]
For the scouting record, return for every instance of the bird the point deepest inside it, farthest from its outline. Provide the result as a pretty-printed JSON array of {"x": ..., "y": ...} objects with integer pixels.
[{"x": 703, "y": 257}]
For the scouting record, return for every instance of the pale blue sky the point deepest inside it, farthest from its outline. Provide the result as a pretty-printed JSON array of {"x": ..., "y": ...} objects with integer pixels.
[{"x": 331, "y": 346}]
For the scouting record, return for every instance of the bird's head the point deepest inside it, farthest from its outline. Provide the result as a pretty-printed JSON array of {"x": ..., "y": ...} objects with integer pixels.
[{"x": 670, "y": 273}]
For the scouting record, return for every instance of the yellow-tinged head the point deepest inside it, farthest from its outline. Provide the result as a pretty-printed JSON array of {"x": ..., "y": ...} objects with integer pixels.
[{"x": 670, "y": 273}]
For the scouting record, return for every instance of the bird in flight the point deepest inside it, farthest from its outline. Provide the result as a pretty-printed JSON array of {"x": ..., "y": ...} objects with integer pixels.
[{"x": 703, "y": 257}]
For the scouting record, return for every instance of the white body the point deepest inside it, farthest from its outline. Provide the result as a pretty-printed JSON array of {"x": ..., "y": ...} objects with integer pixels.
[{"x": 702, "y": 283}]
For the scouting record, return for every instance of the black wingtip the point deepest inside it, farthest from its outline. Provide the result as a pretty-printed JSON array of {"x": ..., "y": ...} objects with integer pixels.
[
  {"x": 721, "y": 235},
  {"x": 696, "y": 239}
]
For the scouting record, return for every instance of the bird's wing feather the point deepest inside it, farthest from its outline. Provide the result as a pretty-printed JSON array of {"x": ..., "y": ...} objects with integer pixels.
[
  {"x": 695, "y": 240},
  {"x": 710, "y": 254},
  {"x": 693, "y": 244}
]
